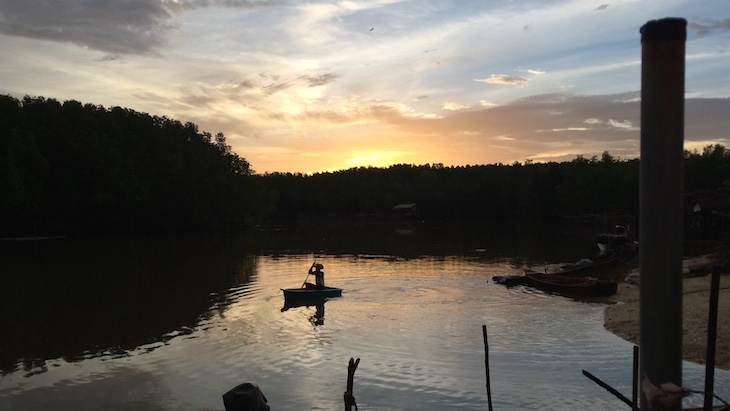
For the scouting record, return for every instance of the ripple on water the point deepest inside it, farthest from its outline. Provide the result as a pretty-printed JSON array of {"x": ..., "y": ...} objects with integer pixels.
[{"x": 415, "y": 324}]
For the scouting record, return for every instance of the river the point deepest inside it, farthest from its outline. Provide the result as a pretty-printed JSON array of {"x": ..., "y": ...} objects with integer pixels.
[{"x": 173, "y": 322}]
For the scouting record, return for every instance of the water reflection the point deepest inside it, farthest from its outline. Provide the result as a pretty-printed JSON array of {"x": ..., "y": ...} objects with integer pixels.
[
  {"x": 107, "y": 297},
  {"x": 318, "y": 317},
  {"x": 191, "y": 318},
  {"x": 414, "y": 322}
]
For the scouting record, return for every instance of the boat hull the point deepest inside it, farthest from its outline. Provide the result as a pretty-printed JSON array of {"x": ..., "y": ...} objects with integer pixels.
[
  {"x": 510, "y": 280},
  {"x": 571, "y": 286},
  {"x": 599, "y": 266},
  {"x": 295, "y": 294}
]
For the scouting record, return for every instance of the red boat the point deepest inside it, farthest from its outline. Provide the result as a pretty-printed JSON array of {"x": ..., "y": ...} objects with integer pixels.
[{"x": 571, "y": 286}]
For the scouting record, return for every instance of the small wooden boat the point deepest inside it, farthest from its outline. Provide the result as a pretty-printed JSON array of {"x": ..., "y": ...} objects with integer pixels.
[
  {"x": 615, "y": 250},
  {"x": 510, "y": 280},
  {"x": 571, "y": 286},
  {"x": 311, "y": 293},
  {"x": 589, "y": 267}
]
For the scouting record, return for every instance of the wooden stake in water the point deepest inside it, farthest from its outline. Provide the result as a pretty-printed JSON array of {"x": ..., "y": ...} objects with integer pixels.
[
  {"x": 349, "y": 397},
  {"x": 486, "y": 365},
  {"x": 635, "y": 381}
]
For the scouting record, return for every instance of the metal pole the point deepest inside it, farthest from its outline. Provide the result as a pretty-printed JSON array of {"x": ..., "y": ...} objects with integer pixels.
[{"x": 661, "y": 203}]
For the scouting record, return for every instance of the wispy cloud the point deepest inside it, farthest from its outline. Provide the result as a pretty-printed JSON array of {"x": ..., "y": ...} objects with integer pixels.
[
  {"x": 708, "y": 27},
  {"x": 451, "y": 106},
  {"x": 138, "y": 27},
  {"x": 321, "y": 80},
  {"x": 133, "y": 27},
  {"x": 622, "y": 125},
  {"x": 503, "y": 79}
]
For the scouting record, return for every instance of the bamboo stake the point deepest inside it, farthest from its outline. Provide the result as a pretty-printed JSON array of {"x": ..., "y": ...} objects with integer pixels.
[
  {"x": 608, "y": 388},
  {"x": 486, "y": 364}
]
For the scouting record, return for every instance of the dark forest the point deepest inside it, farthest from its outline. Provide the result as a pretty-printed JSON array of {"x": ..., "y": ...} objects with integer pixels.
[{"x": 76, "y": 169}]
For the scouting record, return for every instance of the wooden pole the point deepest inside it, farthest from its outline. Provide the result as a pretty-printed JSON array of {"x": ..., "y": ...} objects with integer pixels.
[
  {"x": 349, "y": 397},
  {"x": 711, "y": 338},
  {"x": 661, "y": 202},
  {"x": 608, "y": 388},
  {"x": 486, "y": 366}
]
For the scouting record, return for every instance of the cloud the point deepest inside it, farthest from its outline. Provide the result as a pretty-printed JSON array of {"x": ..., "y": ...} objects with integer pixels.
[
  {"x": 321, "y": 80},
  {"x": 118, "y": 27},
  {"x": 710, "y": 27},
  {"x": 622, "y": 125},
  {"x": 587, "y": 125},
  {"x": 503, "y": 79},
  {"x": 603, "y": 7},
  {"x": 565, "y": 129},
  {"x": 274, "y": 88},
  {"x": 186, "y": 4},
  {"x": 454, "y": 106},
  {"x": 548, "y": 127}
]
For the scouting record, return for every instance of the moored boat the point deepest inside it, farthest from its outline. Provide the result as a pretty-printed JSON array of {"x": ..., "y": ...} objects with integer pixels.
[
  {"x": 571, "y": 286},
  {"x": 509, "y": 280},
  {"x": 597, "y": 266},
  {"x": 615, "y": 249}
]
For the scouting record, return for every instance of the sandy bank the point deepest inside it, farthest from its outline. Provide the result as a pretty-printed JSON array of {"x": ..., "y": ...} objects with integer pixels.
[{"x": 622, "y": 318}]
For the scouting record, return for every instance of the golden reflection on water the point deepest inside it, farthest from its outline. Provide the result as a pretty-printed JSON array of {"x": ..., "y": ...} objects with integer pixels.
[{"x": 415, "y": 323}]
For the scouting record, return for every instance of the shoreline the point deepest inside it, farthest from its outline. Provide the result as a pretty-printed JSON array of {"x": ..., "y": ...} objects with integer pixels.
[{"x": 622, "y": 316}]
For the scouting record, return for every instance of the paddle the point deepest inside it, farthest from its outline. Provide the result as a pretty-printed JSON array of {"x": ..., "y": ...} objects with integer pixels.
[{"x": 308, "y": 274}]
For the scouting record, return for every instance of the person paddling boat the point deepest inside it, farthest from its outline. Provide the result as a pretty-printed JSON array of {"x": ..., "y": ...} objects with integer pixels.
[{"x": 316, "y": 269}]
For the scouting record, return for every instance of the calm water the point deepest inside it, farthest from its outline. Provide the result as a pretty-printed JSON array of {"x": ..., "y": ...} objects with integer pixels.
[{"x": 173, "y": 323}]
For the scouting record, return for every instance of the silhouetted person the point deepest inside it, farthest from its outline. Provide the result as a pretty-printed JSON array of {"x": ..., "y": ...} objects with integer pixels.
[
  {"x": 316, "y": 269},
  {"x": 318, "y": 317}
]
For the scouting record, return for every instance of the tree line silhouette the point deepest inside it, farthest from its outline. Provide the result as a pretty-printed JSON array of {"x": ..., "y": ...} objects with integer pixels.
[{"x": 73, "y": 168}]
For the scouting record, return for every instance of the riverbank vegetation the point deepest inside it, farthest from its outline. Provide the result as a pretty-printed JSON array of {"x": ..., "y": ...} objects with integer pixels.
[{"x": 73, "y": 168}]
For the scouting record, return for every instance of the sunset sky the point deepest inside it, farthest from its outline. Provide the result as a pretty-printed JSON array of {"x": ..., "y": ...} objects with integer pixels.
[{"x": 330, "y": 85}]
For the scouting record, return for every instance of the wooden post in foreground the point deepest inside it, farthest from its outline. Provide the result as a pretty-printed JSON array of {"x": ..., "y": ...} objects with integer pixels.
[
  {"x": 349, "y": 397},
  {"x": 486, "y": 365},
  {"x": 661, "y": 203}
]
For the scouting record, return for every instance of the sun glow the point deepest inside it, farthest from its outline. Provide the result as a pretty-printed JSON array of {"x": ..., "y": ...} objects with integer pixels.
[{"x": 374, "y": 158}]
